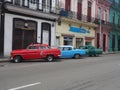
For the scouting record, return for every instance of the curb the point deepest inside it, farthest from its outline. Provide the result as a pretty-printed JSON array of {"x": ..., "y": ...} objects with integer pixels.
[{"x": 4, "y": 60}]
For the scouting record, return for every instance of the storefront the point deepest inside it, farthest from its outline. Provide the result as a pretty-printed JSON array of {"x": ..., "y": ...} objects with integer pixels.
[
  {"x": 20, "y": 31},
  {"x": 74, "y": 32}
]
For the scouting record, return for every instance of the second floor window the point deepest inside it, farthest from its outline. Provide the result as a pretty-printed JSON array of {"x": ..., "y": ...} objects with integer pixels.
[
  {"x": 105, "y": 15},
  {"x": 119, "y": 21},
  {"x": 33, "y": 1},
  {"x": 99, "y": 13},
  {"x": 17, "y": 2},
  {"x": 67, "y": 5},
  {"x": 113, "y": 18}
]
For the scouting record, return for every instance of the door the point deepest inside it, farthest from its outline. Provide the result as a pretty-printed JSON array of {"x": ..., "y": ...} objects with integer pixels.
[
  {"x": 45, "y": 37},
  {"x": 89, "y": 11},
  {"x": 104, "y": 42},
  {"x": 67, "y": 52},
  {"x": 79, "y": 9},
  {"x": 24, "y": 33},
  {"x": 113, "y": 42},
  {"x": 67, "y": 5},
  {"x": 46, "y": 33},
  {"x": 32, "y": 52}
]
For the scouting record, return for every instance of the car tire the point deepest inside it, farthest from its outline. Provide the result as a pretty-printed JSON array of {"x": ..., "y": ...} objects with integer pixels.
[
  {"x": 96, "y": 55},
  {"x": 76, "y": 56},
  {"x": 17, "y": 59},
  {"x": 50, "y": 58}
]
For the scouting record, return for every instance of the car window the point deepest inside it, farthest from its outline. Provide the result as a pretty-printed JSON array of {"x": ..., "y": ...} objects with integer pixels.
[
  {"x": 67, "y": 48},
  {"x": 43, "y": 47},
  {"x": 85, "y": 47},
  {"x": 32, "y": 47}
]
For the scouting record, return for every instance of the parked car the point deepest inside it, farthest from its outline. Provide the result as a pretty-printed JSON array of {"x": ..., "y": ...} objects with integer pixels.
[
  {"x": 70, "y": 52},
  {"x": 91, "y": 50},
  {"x": 35, "y": 51}
]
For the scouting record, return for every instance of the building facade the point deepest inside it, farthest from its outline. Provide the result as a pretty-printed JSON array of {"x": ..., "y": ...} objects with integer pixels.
[
  {"x": 102, "y": 19},
  {"x": 114, "y": 37},
  {"x": 75, "y": 25},
  {"x": 1, "y": 29},
  {"x": 28, "y": 21}
]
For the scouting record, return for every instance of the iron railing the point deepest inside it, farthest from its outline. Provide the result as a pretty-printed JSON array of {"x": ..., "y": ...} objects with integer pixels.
[
  {"x": 36, "y": 6},
  {"x": 115, "y": 4}
]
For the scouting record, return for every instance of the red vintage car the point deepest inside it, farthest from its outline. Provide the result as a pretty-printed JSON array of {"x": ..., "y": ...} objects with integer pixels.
[{"x": 35, "y": 51}]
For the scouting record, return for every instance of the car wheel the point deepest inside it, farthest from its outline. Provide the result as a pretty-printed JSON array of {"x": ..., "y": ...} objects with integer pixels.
[
  {"x": 77, "y": 56},
  {"x": 17, "y": 59},
  {"x": 50, "y": 58},
  {"x": 96, "y": 55}
]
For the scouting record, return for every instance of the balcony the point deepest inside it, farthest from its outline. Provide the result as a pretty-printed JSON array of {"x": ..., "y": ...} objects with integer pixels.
[
  {"x": 35, "y": 10},
  {"x": 115, "y": 26},
  {"x": 76, "y": 16},
  {"x": 115, "y": 5},
  {"x": 34, "y": 6}
]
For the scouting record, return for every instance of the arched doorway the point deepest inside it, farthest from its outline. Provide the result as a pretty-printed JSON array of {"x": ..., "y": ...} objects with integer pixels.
[{"x": 24, "y": 33}]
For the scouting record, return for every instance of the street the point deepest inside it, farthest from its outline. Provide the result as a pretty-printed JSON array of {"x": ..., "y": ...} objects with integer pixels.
[{"x": 88, "y": 73}]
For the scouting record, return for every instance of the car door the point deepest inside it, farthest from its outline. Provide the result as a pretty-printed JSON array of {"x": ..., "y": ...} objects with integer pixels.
[
  {"x": 66, "y": 52},
  {"x": 32, "y": 52}
]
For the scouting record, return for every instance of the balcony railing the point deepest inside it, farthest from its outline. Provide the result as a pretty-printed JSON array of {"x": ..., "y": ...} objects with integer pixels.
[
  {"x": 36, "y": 6},
  {"x": 115, "y": 4},
  {"x": 75, "y": 15}
]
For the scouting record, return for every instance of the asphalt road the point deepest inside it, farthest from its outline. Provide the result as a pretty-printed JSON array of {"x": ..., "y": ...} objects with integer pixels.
[{"x": 89, "y": 73}]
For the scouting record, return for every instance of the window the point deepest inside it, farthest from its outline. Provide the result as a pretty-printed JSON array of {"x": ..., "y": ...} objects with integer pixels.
[
  {"x": 32, "y": 1},
  {"x": 99, "y": 12},
  {"x": 17, "y": 2},
  {"x": 119, "y": 21},
  {"x": 67, "y": 5},
  {"x": 89, "y": 4},
  {"x": 105, "y": 17},
  {"x": 79, "y": 1},
  {"x": 40, "y": 4},
  {"x": 67, "y": 48},
  {"x": 33, "y": 4},
  {"x": 68, "y": 40},
  {"x": 43, "y": 47},
  {"x": 25, "y": 2},
  {"x": 32, "y": 47},
  {"x": 53, "y": 4},
  {"x": 119, "y": 4},
  {"x": 113, "y": 18}
]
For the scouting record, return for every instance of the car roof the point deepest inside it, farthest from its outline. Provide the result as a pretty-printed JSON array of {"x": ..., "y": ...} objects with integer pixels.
[
  {"x": 66, "y": 46},
  {"x": 38, "y": 45}
]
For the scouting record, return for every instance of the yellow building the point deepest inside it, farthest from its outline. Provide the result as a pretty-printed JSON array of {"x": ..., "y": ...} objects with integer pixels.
[{"x": 67, "y": 32}]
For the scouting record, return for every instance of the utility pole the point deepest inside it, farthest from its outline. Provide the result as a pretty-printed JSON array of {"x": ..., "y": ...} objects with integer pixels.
[{"x": 100, "y": 33}]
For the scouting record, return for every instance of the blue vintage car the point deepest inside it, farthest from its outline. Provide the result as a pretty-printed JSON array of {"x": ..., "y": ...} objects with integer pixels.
[{"x": 70, "y": 52}]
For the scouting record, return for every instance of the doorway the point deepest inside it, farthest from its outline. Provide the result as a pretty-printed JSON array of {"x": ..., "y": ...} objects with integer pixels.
[
  {"x": 24, "y": 33},
  {"x": 46, "y": 33},
  {"x": 104, "y": 42}
]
